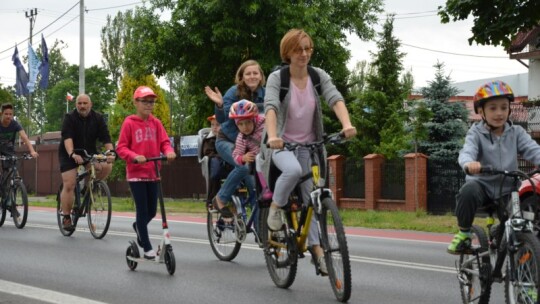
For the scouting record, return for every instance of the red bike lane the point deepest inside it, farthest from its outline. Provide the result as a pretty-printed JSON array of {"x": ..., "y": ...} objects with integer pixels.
[{"x": 351, "y": 231}]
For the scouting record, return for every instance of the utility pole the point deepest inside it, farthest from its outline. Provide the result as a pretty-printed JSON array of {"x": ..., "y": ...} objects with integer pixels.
[
  {"x": 32, "y": 16},
  {"x": 81, "y": 48}
]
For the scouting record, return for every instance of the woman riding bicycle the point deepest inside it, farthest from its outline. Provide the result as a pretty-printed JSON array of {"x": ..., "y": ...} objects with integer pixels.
[
  {"x": 249, "y": 85},
  {"x": 297, "y": 119}
]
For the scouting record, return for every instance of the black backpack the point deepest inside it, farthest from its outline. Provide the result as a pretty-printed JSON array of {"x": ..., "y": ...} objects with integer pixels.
[{"x": 285, "y": 76}]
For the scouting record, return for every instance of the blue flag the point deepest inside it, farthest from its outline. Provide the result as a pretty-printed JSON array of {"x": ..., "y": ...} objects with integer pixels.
[
  {"x": 33, "y": 68},
  {"x": 22, "y": 76},
  {"x": 44, "y": 67}
]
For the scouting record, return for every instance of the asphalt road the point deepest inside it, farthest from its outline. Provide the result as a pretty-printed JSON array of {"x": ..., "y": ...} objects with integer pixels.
[{"x": 39, "y": 265}]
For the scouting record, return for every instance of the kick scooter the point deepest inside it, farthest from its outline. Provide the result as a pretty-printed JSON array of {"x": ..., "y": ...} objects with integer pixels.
[{"x": 164, "y": 252}]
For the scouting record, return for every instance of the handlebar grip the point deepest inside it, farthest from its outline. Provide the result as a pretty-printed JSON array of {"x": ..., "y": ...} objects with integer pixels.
[
  {"x": 483, "y": 169},
  {"x": 155, "y": 158},
  {"x": 487, "y": 169}
]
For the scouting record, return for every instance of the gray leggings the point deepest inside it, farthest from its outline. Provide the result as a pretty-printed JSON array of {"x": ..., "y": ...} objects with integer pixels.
[{"x": 293, "y": 165}]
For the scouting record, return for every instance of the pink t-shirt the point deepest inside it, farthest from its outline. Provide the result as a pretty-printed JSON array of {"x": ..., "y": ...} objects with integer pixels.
[{"x": 299, "y": 123}]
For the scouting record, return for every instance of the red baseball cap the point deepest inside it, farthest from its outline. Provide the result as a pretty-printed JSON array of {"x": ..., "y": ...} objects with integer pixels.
[
  {"x": 210, "y": 118},
  {"x": 142, "y": 92}
]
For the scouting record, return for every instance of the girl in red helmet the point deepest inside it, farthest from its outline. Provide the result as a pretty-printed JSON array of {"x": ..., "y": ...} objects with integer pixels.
[{"x": 495, "y": 142}]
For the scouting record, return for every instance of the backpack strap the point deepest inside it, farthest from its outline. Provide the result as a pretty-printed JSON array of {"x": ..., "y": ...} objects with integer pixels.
[
  {"x": 315, "y": 79},
  {"x": 285, "y": 76}
]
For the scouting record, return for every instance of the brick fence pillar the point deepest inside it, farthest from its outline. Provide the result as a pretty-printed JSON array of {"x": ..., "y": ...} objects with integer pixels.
[
  {"x": 415, "y": 182},
  {"x": 372, "y": 167},
  {"x": 335, "y": 176}
]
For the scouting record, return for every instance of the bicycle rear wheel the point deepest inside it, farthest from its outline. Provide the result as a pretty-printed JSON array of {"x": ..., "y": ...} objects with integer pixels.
[
  {"x": 59, "y": 216},
  {"x": 336, "y": 253},
  {"x": 526, "y": 262},
  {"x": 222, "y": 236},
  {"x": 280, "y": 253},
  {"x": 19, "y": 204},
  {"x": 99, "y": 210},
  {"x": 3, "y": 212},
  {"x": 473, "y": 272}
]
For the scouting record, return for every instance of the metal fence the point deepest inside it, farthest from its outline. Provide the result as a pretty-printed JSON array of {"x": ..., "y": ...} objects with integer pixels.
[
  {"x": 393, "y": 179},
  {"x": 444, "y": 181},
  {"x": 354, "y": 185}
]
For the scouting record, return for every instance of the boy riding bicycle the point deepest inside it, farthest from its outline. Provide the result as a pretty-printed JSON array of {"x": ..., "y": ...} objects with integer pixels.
[{"x": 495, "y": 142}]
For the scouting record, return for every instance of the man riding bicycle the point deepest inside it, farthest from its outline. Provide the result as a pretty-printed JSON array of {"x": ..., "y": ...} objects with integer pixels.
[
  {"x": 81, "y": 129},
  {"x": 9, "y": 128}
]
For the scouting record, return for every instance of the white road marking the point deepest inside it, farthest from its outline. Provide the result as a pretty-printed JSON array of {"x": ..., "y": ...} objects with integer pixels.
[{"x": 44, "y": 295}]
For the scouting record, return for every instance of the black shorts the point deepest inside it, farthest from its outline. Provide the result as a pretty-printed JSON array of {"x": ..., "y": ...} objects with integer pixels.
[{"x": 67, "y": 164}]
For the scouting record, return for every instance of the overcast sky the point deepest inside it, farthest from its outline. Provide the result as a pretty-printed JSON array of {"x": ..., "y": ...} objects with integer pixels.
[{"x": 424, "y": 39}]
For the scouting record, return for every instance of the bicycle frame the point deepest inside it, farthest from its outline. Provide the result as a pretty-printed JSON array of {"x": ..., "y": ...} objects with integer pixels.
[
  {"x": 82, "y": 172},
  {"x": 301, "y": 224}
]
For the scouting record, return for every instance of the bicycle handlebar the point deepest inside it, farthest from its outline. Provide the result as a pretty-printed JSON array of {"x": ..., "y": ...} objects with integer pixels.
[
  {"x": 15, "y": 157},
  {"x": 334, "y": 138},
  {"x": 515, "y": 173},
  {"x": 100, "y": 157}
]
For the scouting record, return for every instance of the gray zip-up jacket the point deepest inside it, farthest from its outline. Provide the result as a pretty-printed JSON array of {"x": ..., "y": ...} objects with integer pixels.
[
  {"x": 271, "y": 101},
  {"x": 499, "y": 152}
]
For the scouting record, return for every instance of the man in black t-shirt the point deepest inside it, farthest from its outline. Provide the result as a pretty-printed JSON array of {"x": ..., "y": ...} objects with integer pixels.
[{"x": 81, "y": 129}]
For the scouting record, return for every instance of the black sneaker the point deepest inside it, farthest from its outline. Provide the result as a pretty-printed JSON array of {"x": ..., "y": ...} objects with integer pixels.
[{"x": 137, "y": 233}]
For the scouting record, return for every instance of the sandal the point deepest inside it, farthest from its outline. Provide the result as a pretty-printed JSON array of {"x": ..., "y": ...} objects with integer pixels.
[{"x": 225, "y": 211}]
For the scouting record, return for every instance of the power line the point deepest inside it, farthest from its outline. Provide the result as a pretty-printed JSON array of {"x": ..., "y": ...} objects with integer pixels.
[
  {"x": 451, "y": 53},
  {"x": 111, "y": 7},
  {"x": 9, "y": 49}
]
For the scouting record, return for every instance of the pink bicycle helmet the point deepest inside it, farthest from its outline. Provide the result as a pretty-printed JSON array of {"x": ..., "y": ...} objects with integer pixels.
[
  {"x": 243, "y": 109},
  {"x": 490, "y": 90}
]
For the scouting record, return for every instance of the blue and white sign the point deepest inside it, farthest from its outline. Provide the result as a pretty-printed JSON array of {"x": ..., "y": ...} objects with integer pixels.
[{"x": 189, "y": 145}]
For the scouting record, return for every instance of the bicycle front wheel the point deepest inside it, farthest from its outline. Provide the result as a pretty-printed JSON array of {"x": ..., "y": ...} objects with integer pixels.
[
  {"x": 474, "y": 270},
  {"x": 280, "y": 253},
  {"x": 19, "y": 204},
  {"x": 99, "y": 210},
  {"x": 222, "y": 236},
  {"x": 526, "y": 264},
  {"x": 336, "y": 253}
]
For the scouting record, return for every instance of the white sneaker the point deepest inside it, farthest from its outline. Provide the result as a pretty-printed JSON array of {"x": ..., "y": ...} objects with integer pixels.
[
  {"x": 275, "y": 220},
  {"x": 150, "y": 255},
  {"x": 322, "y": 265}
]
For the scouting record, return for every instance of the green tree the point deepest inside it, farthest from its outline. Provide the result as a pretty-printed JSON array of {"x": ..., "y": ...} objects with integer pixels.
[
  {"x": 495, "y": 22},
  {"x": 378, "y": 113},
  {"x": 98, "y": 86},
  {"x": 114, "y": 37},
  {"x": 206, "y": 41},
  {"x": 448, "y": 125}
]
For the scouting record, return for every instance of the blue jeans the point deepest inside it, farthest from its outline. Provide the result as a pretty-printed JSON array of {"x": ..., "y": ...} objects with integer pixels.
[{"x": 239, "y": 173}]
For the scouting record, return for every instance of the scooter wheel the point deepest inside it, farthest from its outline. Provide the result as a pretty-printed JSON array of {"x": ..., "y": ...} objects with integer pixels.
[
  {"x": 170, "y": 261},
  {"x": 133, "y": 252}
]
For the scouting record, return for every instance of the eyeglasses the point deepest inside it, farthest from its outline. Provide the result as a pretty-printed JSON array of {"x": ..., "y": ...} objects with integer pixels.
[
  {"x": 300, "y": 50},
  {"x": 147, "y": 102}
]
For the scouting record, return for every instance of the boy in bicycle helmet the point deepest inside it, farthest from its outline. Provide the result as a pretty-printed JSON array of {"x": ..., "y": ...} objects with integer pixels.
[
  {"x": 495, "y": 142},
  {"x": 248, "y": 142}
]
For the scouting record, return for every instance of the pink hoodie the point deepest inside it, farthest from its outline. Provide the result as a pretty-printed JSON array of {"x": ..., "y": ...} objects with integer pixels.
[{"x": 142, "y": 137}]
